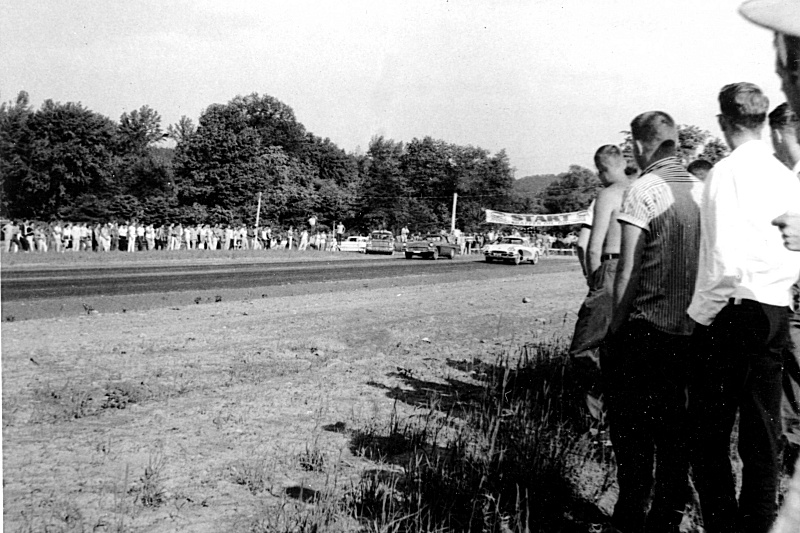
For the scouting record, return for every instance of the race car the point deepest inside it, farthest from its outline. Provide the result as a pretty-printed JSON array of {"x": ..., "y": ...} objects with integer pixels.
[
  {"x": 432, "y": 246},
  {"x": 512, "y": 250},
  {"x": 380, "y": 242},
  {"x": 354, "y": 244}
]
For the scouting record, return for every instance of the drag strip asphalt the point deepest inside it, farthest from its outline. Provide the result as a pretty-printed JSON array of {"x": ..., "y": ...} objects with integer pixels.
[{"x": 32, "y": 284}]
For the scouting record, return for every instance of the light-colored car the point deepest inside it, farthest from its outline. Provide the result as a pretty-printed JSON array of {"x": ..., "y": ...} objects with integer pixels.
[
  {"x": 354, "y": 244},
  {"x": 380, "y": 242},
  {"x": 512, "y": 250}
]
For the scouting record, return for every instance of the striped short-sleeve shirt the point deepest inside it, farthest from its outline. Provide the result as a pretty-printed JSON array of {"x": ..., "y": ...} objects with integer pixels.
[{"x": 665, "y": 203}]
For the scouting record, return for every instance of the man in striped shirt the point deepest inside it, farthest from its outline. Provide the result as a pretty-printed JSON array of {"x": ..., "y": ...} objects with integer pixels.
[
  {"x": 645, "y": 361},
  {"x": 741, "y": 306}
]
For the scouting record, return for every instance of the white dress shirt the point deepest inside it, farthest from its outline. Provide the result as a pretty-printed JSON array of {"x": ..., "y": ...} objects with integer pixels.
[{"x": 741, "y": 254}]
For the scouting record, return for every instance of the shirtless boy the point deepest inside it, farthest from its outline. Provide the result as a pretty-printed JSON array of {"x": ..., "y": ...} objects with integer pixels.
[{"x": 601, "y": 266}]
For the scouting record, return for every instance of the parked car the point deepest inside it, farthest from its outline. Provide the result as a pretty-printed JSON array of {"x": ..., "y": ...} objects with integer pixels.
[
  {"x": 513, "y": 250},
  {"x": 354, "y": 244},
  {"x": 380, "y": 242},
  {"x": 433, "y": 246}
]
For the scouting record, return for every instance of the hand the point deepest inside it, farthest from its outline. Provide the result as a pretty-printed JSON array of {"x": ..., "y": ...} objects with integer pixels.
[{"x": 789, "y": 224}]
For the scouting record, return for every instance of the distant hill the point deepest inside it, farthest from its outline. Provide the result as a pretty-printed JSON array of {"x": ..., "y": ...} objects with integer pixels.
[{"x": 530, "y": 186}]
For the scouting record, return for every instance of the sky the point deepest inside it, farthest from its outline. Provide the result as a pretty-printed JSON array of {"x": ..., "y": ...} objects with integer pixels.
[{"x": 549, "y": 81}]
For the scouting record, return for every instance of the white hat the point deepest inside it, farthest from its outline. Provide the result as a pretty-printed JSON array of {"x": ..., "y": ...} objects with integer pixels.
[{"x": 778, "y": 15}]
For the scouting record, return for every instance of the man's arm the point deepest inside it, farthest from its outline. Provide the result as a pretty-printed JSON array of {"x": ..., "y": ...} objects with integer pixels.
[
  {"x": 627, "y": 281},
  {"x": 602, "y": 218},
  {"x": 582, "y": 245}
]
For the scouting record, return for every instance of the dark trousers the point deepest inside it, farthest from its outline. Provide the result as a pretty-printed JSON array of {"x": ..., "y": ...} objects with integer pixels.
[
  {"x": 739, "y": 365},
  {"x": 645, "y": 375},
  {"x": 791, "y": 392}
]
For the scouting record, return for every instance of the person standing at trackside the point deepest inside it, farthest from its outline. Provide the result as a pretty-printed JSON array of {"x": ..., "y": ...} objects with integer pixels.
[
  {"x": 784, "y": 125},
  {"x": 644, "y": 359},
  {"x": 602, "y": 253},
  {"x": 783, "y": 17},
  {"x": 339, "y": 233},
  {"x": 699, "y": 168},
  {"x": 741, "y": 305}
]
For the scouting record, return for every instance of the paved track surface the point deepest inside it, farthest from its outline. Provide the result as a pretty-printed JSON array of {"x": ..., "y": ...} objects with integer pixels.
[{"x": 31, "y": 283}]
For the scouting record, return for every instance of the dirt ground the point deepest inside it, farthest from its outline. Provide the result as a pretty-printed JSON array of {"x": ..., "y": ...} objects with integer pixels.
[{"x": 203, "y": 417}]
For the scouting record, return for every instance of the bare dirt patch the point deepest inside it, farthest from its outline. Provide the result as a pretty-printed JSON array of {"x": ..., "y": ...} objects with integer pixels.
[{"x": 223, "y": 417}]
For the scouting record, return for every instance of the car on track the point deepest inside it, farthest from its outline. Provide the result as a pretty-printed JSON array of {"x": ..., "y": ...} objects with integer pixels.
[
  {"x": 433, "y": 246},
  {"x": 354, "y": 244},
  {"x": 380, "y": 242},
  {"x": 512, "y": 250}
]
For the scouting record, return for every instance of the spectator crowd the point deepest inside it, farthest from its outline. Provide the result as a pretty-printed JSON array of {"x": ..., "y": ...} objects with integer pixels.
[{"x": 689, "y": 337}]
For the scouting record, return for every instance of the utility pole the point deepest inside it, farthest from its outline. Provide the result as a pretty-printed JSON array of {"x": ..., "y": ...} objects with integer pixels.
[
  {"x": 453, "y": 219},
  {"x": 258, "y": 211}
]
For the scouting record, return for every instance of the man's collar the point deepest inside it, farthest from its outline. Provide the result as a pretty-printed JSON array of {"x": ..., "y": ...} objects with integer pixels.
[{"x": 661, "y": 163}]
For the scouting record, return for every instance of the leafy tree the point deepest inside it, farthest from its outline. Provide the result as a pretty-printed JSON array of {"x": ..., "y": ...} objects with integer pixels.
[
  {"x": 484, "y": 182},
  {"x": 692, "y": 143},
  {"x": 61, "y": 152},
  {"x": 182, "y": 130},
  {"x": 714, "y": 150},
  {"x": 384, "y": 186},
  {"x": 138, "y": 130},
  {"x": 572, "y": 191},
  {"x": 273, "y": 121},
  {"x": 221, "y": 167},
  {"x": 15, "y": 139}
]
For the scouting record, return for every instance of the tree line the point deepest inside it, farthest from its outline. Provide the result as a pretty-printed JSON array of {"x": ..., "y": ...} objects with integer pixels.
[{"x": 64, "y": 161}]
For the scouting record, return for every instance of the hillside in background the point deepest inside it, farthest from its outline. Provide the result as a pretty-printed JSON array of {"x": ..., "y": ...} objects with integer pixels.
[{"x": 530, "y": 186}]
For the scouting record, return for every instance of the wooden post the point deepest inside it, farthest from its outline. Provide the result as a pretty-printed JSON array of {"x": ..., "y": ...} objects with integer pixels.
[
  {"x": 258, "y": 210},
  {"x": 453, "y": 219}
]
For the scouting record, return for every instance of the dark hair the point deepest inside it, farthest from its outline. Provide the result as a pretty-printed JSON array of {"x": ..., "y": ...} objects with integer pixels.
[
  {"x": 653, "y": 126},
  {"x": 744, "y": 104},
  {"x": 783, "y": 116},
  {"x": 604, "y": 154},
  {"x": 699, "y": 164}
]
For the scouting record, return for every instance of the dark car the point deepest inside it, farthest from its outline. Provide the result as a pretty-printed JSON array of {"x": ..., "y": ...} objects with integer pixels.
[{"x": 433, "y": 246}]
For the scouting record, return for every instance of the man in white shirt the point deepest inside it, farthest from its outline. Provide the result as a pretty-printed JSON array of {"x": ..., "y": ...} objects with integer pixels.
[
  {"x": 783, "y": 125},
  {"x": 132, "y": 236},
  {"x": 783, "y": 17},
  {"x": 740, "y": 304}
]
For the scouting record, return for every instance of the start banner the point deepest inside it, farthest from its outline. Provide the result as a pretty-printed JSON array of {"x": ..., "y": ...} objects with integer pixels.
[{"x": 515, "y": 219}]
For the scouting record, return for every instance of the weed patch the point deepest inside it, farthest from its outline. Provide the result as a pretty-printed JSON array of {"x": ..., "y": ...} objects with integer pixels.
[
  {"x": 149, "y": 489},
  {"x": 251, "y": 473},
  {"x": 73, "y": 401},
  {"x": 513, "y": 462}
]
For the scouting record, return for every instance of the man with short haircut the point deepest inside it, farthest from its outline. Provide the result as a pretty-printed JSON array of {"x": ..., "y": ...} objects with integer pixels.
[
  {"x": 784, "y": 125},
  {"x": 645, "y": 360},
  {"x": 602, "y": 253},
  {"x": 783, "y": 17},
  {"x": 699, "y": 168},
  {"x": 741, "y": 304}
]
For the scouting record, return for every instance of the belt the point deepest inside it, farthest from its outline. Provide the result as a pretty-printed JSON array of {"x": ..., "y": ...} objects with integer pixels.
[
  {"x": 606, "y": 257},
  {"x": 739, "y": 301}
]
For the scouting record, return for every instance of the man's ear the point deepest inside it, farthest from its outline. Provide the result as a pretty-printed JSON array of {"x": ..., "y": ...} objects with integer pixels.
[
  {"x": 638, "y": 147},
  {"x": 777, "y": 136},
  {"x": 722, "y": 121}
]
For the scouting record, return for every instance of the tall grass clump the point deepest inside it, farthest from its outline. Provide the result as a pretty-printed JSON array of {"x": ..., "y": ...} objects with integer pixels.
[{"x": 514, "y": 458}]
